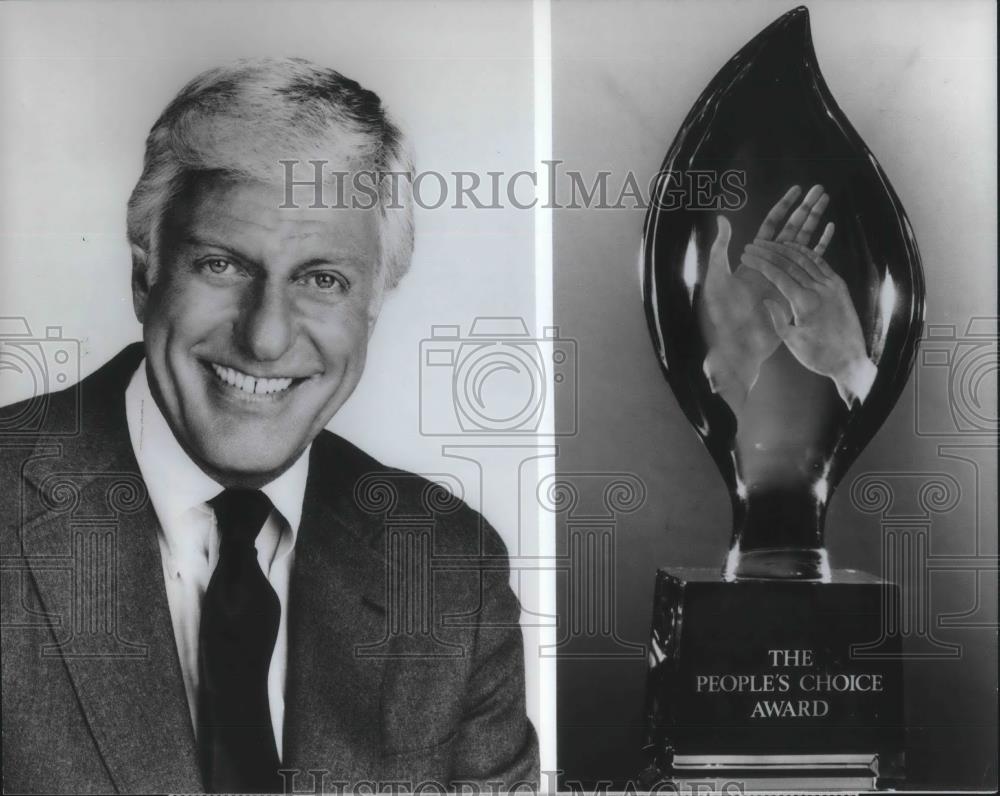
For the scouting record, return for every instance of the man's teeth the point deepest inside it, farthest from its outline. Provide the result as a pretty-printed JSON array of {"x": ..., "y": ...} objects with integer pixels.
[{"x": 249, "y": 384}]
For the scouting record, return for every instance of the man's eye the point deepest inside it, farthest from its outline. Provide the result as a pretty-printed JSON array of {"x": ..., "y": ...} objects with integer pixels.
[
  {"x": 217, "y": 265},
  {"x": 326, "y": 281}
]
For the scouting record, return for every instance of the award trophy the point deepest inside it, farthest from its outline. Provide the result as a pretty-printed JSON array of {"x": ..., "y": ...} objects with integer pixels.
[{"x": 784, "y": 294}]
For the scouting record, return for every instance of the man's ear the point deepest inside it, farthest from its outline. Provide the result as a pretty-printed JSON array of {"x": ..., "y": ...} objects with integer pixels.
[{"x": 142, "y": 281}]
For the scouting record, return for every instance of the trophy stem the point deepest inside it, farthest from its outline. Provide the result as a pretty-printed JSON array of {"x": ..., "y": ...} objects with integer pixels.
[{"x": 778, "y": 534}]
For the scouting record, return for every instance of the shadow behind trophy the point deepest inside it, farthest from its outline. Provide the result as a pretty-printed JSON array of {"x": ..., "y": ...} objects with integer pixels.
[{"x": 785, "y": 301}]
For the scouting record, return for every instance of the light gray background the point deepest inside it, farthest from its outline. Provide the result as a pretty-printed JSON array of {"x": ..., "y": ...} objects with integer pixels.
[{"x": 918, "y": 81}]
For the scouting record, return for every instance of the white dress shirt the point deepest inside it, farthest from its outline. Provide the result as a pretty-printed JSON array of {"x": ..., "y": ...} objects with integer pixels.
[{"x": 189, "y": 541}]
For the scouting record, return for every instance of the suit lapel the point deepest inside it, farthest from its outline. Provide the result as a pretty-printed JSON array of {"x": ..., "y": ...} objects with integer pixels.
[
  {"x": 337, "y": 626},
  {"x": 114, "y": 629}
]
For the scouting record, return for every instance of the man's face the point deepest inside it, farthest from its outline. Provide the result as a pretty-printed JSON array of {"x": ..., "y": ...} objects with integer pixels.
[{"x": 256, "y": 326}]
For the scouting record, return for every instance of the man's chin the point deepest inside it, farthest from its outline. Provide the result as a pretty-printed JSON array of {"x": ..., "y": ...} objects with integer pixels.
[{"x": 247, "y": 466}]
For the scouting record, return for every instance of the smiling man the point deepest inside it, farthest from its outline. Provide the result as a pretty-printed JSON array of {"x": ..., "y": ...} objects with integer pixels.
[{"x": 249, "y": 623}]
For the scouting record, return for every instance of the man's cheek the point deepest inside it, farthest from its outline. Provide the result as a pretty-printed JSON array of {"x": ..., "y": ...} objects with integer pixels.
[
  {"x": 342, "y": 336},
  {"x": 197, "y": 308}
]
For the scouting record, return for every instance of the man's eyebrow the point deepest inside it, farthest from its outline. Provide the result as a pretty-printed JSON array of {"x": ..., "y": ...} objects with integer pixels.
[
  {"x": 346, "y": 258},
  {"x": 195, "y": 240}
]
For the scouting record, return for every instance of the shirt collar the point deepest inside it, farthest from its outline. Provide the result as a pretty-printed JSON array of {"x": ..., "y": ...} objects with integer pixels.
[{"x": 175, "y": 483}]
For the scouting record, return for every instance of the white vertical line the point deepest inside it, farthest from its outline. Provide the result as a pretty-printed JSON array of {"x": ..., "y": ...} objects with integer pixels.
[{"x": 542, "y": 49}]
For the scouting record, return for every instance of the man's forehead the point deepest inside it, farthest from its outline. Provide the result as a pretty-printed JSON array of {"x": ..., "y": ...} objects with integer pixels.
[{"x": 273, "y": 208}]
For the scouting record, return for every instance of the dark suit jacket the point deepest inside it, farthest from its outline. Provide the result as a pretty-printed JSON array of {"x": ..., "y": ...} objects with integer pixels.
[{"x": 405, "y": 654}]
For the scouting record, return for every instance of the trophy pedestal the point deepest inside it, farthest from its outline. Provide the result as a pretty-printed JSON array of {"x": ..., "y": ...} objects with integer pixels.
[{"x": 756, "y": 681}]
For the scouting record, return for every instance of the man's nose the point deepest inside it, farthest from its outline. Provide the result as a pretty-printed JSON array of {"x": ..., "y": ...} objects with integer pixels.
[{"x": 267, "y": 327}]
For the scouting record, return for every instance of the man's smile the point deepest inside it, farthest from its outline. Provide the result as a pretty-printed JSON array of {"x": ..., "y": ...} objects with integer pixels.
[{"x": 248, "y": 387}]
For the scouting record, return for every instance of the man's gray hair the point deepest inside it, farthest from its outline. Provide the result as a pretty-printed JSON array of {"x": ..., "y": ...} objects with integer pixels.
[{"x": 242, "y": 119}]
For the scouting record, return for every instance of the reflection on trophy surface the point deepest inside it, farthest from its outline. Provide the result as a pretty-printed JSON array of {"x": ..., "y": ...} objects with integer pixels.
[
  {"x": 783, "y": 291},
  {"x": 783, "y": 298}
]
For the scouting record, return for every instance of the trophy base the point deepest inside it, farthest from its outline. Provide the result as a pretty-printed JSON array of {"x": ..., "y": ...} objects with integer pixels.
[
  {"x": 768, "y": 773},
  {"x": 777, "y": 563},
  {"x": 766, "y": 682}
]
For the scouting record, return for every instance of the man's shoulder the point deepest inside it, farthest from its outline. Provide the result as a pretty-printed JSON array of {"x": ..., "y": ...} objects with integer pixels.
[
  {"x": 79, "y": 418},
  {"x": 403, "y": 498}
]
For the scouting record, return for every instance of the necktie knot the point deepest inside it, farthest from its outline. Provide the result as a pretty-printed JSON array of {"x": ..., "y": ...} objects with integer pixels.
[{"x": 240, "y": 514}]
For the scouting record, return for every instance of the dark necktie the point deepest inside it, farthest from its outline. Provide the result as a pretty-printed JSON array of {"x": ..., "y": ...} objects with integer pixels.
[{"x": 240, "y": 614}]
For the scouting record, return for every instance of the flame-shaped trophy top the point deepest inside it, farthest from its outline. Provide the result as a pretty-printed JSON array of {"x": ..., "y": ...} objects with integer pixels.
[{"x": 784, "y": 294}]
